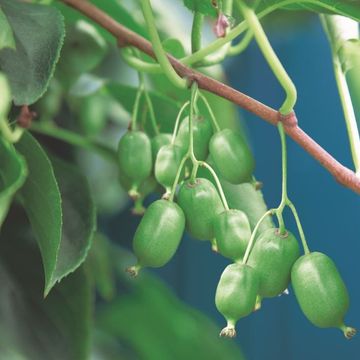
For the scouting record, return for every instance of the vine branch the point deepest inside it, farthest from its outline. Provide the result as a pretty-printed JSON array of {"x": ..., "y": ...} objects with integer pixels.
[{"x": 126, "y": 37}]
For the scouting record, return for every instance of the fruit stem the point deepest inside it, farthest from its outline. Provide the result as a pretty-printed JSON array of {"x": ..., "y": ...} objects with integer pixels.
[
  {"x": 215, "y": 124},
  {"x": 136, "y": 106},
  {"x": 177, "y": 177},
  {"x": 149, "y": 104},
  {"x": 284, "y": 195},
  {"x": 270, "y": 56},
  {"x": 253, "y": 234},
  {"x": 152, "y": 113},
  {"x": 193, "y": 99},
  {"x": 299, "y": 226},
  {"x": 138, "y": 208},
  {"x": 217, "y": 181},
  {"x": 160, "y": 54},
  {"x": 196, "y": 30},
  {"x": 177, "y": 122}
]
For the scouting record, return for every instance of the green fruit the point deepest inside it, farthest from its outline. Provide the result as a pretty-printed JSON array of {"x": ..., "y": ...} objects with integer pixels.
[
  {"x": 167, "y": 164},
  {"x": 236, "y": 295},
  {"x": 158, "y": 235},
  {"x": 202, "y": 130},
  {"x": 245, "y": 197},
  {"x": 232, "y": 156},
  {"x": 232, "y": 233},
  {"x": 272, "y": 257},
  {"x": 321, "y": 292},
  {"x": 135, "y": 161},
  {"x": 157, "y": 142},
  {"x": 201, "y": 203},
  {"x": 92, "y": 113}
]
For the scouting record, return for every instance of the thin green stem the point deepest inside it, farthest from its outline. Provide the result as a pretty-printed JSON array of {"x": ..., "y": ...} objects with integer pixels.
[
  {"x": 270, "y": 56},
  {"x": 220, "y": 54},
  {"x": 349, "y": 115},
  {"x": 138, "y": 64},
  {"x": 241, "y": 45},
  {"x": 196, "y": 31},
  {"x": 136, "y": 106},
  {"x": 285, "y": 201},
  {"x": 253, "y": 235},
  {"x": 284, "y": 196},
  {"x": 9, "y": 134},
  {"x": 151, "y": 113},
  {"x": 211, "y": 113},
  {"x": 214, "y": 46},
  {"x": 148, "y": 103},
  {"x": 299, "y": 226},
  {"x": 217, "y": 181},
  {"x": 158, "y": 48},
  {"x": 177, "y": 122},
  {"x": 74, "y": 139},
  {"x": 339, "y": 31},
  {"x": 194, "y": 92},
  {"x": 177, "y": 177}
]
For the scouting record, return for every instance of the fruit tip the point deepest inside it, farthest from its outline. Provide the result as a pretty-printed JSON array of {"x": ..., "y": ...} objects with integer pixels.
[
  {"x": 349, "y": 332},
  {"x": 133, "y": 271}
]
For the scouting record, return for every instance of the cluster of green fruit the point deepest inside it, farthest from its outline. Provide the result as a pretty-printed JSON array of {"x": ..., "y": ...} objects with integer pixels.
[{"x": 260, "y": 270}]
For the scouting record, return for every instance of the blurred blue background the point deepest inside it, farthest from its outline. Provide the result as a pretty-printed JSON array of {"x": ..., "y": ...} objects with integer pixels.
[{"x": 329, "y": 212}]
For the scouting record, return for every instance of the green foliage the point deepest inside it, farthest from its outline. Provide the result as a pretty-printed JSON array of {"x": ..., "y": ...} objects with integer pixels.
[
  {"x": 60, "y": 209},
  {"x": 348, "y": 8},
  {"x": 41, "y": 199},
  {"x": 6, "y": 35},
  {"x": 32, "y": 327},
  {"x": 39, "y": 33},
  {"x": 12, "y": 176},
  {"x": 206, "y": 7},
  {"x": 114, "y": 8}
]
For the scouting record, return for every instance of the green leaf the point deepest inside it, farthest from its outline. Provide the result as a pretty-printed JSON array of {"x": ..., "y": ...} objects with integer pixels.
[
  {"x": 42, "y": 201},
  {"x": 60, "y": 209},
  {"x": 174, "y": 47},
  {"x": 6, "y": 34},
  {"x": 5, "y": 98},
  {"x": 113, "y": 8},
  {"x": 39, "y": 33},
  {"x": 206, "y": 7},
  {"x": 12, "y": 175},
  {"x": 349, "y": 8},
  {"x": 79, "y": 218},
  {"x": 32, "y": 327}
]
